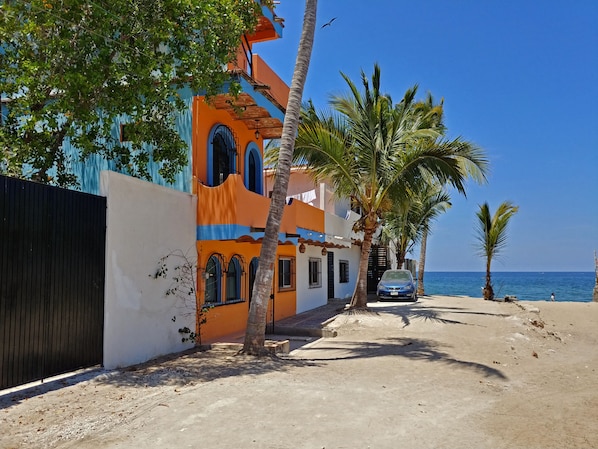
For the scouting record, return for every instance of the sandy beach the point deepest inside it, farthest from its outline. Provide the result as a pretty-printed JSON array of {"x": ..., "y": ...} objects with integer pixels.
[{"x": 446, "y": 372}]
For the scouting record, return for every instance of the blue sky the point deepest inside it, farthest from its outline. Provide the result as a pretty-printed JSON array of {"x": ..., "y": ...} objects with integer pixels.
[{"x": 519, "y": 78}]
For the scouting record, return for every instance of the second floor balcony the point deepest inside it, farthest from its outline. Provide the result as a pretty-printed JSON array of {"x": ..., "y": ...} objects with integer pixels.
[
  {"x": 231, "y": 212},
  {"x": 262, "y": 103}
]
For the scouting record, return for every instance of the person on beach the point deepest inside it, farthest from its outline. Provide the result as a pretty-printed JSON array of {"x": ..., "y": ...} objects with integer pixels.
[{"x": 552, "y": 296}]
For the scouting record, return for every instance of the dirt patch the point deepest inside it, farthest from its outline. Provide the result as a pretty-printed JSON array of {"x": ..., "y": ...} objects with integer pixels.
[{"x": 447, "y": 372}]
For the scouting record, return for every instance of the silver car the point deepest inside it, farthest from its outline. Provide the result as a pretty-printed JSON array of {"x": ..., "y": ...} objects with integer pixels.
[{"x": 397, "y": 284}]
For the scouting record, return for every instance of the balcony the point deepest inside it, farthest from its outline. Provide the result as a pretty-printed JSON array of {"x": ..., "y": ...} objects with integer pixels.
[
  {"x": 340, "y": 232},
  {"x": 265, "y": 76},
  {"x": 269, "y": 26},
  {"x": 262, "y": 103},
  {"x": 231, "y": 212}
]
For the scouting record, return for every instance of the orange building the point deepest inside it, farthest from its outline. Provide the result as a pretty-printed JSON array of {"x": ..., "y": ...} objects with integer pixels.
[
  {"x": 316, "y": 257},
  {"x": 227, "y": 169}
]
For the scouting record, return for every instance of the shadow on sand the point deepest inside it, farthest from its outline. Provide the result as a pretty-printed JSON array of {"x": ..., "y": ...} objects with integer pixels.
[
  {"x": 416, "y": 311},
  {"x": 196, "y": 366},
  {"x": 187, "y": 368},
  {"x": 409, "y": 348}
]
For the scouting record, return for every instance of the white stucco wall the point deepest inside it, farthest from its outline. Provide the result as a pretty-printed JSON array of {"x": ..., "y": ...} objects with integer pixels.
[
  {"x": 339, "y": 231},
  {"x": 345, "y": 290},
  {"x": 144, "y": 223},
  {"x": 310, "y": 298}
]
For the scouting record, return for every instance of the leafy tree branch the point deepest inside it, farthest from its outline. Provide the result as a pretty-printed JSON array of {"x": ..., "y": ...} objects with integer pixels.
[{"x": 71, "y": 68}]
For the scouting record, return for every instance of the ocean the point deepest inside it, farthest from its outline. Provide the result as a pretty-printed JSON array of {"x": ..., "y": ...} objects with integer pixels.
[{"x": 527, "y": 286}]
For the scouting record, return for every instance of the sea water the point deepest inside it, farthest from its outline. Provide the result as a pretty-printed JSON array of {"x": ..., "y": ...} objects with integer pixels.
[{"x": 527, "y": 286}]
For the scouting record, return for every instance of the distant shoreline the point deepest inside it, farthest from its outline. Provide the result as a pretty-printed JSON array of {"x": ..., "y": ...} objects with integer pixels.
[
  {"x": 530, "y": 301},
  {"x": 512, "y": 271},
  {"x": 570, "y": 286}
]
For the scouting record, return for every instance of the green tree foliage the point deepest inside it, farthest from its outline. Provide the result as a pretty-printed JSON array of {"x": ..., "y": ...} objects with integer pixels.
[
  {"x": 70, "y": 68},
  {"x": 377, "y": 152},
  {"x": 408, "y": 222},
  {"x": 492, "y": 236},
  {"x": 402, "y": 227},
  {"x": 436, "y": 201}
]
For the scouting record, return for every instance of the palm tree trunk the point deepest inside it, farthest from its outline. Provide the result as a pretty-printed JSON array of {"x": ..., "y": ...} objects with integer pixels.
[
  {"x": 360, "y": 294},
  {"x": 395, "y": 243},
  {"x": 256, "y": 322},
  {"x": 422, "y": 263},
  {"x": 401, "y": 253},
  {"x": 488, "y": 290},
  {"x": 595, "y": 293}
]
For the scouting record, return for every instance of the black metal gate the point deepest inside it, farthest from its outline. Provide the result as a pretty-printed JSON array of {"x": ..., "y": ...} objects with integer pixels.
[
  {"x": 52, "y": 249},
  {"x": 377, "y": 265}
]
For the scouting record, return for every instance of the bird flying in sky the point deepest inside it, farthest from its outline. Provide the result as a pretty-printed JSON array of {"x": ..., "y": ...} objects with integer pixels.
[{"x": 327, "y": 24}]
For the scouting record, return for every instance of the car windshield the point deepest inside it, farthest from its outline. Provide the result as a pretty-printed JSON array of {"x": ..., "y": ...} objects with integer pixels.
[{"x": 396, "y": 276}]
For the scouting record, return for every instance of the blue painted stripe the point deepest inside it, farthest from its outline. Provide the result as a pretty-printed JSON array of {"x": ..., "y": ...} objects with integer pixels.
[
  {"x": 235, "y": 231},
  {"x": 261, "y": 100},
  {"x": 221, "y": 232},
  {"x": 309, "y": 234},
  {"x": 268, "y": 14}
]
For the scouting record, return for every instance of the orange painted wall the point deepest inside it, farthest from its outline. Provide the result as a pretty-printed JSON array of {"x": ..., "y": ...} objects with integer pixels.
[
  {"x": 225, "y": 319},
  {"x": 205, "y": 117},
  {"x": 265, "y": 75},
  {"x": 285, "y": 302},
  {"x": 308, "y": 217},
  {"x": 232, "y": 203},
  {"x": 248, "y": 203},
  {"x": 231, "y": 319}
]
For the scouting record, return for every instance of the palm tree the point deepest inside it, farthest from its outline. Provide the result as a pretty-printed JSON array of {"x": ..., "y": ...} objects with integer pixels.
[
  {"x": 492, "y": 236},
  {"x": 402, "y": 226},
  {"x": 409, "y": 223},
  {"x": 432, "y": 200},
  {"x": 436, "y": 201},
  {"x": 256, "y": 322},
  {"x": 595, "y": 293},
  {"x": 374, "y": 152}
]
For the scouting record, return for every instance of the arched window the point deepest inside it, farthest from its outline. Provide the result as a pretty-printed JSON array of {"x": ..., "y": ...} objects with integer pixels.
[
  {"x": 233, "y": 280},
  {"x": 212, "y": 278},
  {"x": 252, "y": 273},
  {"x": 222, "y": 156},
  {"x": 253, "y": 169},
  {"x": 252, "y": 177}
]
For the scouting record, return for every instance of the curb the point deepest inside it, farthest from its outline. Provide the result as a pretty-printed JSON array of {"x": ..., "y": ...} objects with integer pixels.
[{"x": 304, "y": 331}]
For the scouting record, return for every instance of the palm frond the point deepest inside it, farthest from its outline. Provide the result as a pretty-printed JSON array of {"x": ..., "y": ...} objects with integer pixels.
[
  {"x": 491, "y": 230},
  {"x": 377, "y": 152}
]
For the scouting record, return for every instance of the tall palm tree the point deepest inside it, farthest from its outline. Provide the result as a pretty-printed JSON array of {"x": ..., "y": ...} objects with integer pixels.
[
  {"x": 492, "y": 236},
  {"x": 432, "y": 198},
  {"x": 436, "y": 201},
  {"x": 374, "y": 152},
  {"x": 256, "y": 322}
]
